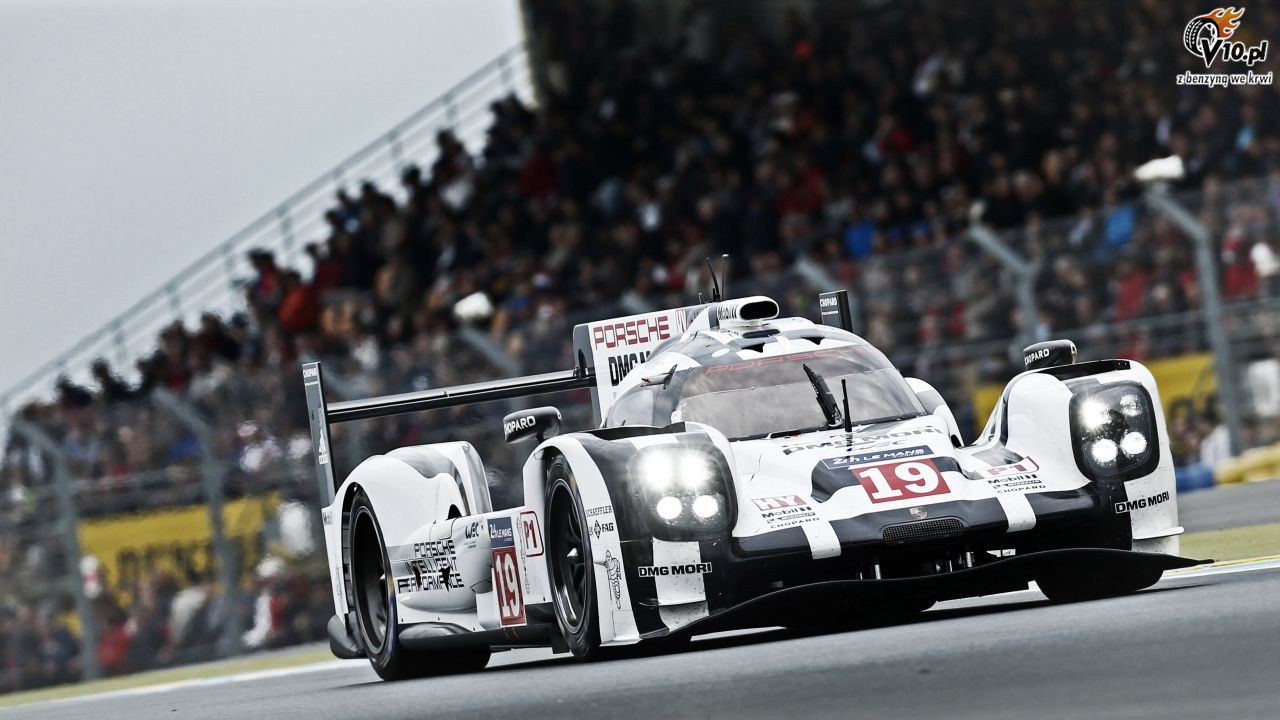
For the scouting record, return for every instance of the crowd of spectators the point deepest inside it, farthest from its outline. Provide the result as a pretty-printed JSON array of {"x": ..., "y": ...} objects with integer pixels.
[{"x": 857, "y": 141}]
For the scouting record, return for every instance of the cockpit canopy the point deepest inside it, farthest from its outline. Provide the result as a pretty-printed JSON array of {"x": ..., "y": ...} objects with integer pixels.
[{"x": 757, "y": 396}]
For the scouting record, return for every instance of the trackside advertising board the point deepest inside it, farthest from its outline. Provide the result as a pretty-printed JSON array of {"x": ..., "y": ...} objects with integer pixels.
[{"x": 177, "y": 541}]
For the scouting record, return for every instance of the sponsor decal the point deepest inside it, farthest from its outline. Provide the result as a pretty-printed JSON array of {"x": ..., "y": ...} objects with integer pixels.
[
  {"x": 598, "y": 528},
  {"x": 602, "y": 510},
  {"x": 892, "y": 439},
  {"x": 520, "y": 423},
  {"x": 1210, "y": 38},
  {"x": 1020, "y": 477},
  {"x": 620, "y": 344},
  {"x": 782, "y": 359},
  {"x": 784, "y": 511},
  {"x": 777, "y": 503},
  {"x": 430, "y": 574},
  {"x": 176, "y": 541},
  {"x": 631, "y": 331},
  {"x": 472, "y": 531},
  {"x": 1140, "y": 503},
  {"x": 310, "y": 373},
  {"x": 506, "y": 572},
  {"x": 326, "y": 517},
  {"x": 889, "y": 482},
  {"x": 434, "y": 566},
  {"x": 668, "y": 570},
  {"x": 434, "y": 548},
  {"x": 613, "y": 569},
  {"x": 919, "y": 513},
  {"x": 1040, "y": 354},
  {"x": 322, "y": 451},
  {"x": 530, "y": 533},
  {"x": 877, "y": 456},
  {"x": 620, "y": 365}
]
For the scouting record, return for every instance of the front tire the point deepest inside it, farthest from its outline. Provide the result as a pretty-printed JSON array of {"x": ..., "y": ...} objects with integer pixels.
[
  {"x": 572, "y": 568},
  {"x": 377, "y": 618}
]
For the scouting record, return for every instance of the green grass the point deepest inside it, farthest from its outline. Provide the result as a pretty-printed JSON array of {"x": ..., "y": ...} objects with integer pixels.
[
  {"x": 1233, "y": 544},
  {"x": 271, "y": 661}
]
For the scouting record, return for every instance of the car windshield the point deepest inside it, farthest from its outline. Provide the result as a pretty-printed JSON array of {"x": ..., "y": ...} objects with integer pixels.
[{"x": 763, "y": 396}]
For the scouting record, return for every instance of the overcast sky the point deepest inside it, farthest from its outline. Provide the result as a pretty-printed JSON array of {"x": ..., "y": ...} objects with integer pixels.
[{"x": 135, "y": 136}]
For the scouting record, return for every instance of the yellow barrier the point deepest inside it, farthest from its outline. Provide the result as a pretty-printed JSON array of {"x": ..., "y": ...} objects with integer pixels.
[
  {"x": 1185, "y": 383},
  {"x": 1257, "y": 464},
  {"x": 178, "y": 541}
]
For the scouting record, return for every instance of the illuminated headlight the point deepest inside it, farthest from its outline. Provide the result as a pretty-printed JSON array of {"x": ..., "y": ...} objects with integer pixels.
[
  {"x": 705, "y": 506},
  {"x": 1103, "y": 451},
  {"x": 684, "y": 489},
  {"x": 1133, "y": 444},
  {"x": 1115, "y": 431},
  {"x": 669, "y": 507}
]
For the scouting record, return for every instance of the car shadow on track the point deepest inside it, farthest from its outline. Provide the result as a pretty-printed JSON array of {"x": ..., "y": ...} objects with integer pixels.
[{"x": 745, "y": 638}]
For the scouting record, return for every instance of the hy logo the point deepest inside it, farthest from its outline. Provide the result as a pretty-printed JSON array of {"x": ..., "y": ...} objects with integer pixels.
[{"x": 1208, "y": 38}]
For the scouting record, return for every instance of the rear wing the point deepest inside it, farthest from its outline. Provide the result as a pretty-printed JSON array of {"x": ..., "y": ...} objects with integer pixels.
[{"x": 322, "y": 414}]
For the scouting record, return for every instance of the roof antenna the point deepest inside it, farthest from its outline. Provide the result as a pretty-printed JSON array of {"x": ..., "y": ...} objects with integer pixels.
[
  {"x": 715, "y": 282},
  {"x": 724, "y": 273},
  {"x": 848, "y": 419}
]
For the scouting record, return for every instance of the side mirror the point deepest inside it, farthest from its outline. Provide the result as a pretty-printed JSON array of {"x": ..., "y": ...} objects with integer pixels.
[
  {"x": 1047, "y": 354},
  {"x": 543, "y": 422}
]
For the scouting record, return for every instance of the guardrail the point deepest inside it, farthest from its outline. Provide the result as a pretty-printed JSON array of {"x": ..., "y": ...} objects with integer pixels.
[{"x": 211, "y": 283}]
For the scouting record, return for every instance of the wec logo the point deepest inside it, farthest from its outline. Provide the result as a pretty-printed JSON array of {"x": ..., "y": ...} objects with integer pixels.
[{"x": 1208, "y": 38}]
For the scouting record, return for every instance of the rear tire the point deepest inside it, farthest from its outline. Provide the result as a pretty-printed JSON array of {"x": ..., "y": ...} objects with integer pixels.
[
  {"x": 377, "y": 618},
  {"x": 573, "y": 587}
]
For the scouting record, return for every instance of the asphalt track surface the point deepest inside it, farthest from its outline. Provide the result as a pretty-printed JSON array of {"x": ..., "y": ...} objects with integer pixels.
[
  {"x": 1194, "y": 646},
  {"x": 1230, "y": 506}
]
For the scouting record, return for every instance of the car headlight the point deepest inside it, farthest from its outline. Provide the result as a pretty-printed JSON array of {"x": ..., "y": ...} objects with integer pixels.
[
  {"x": 1114, "y": 428},
  {"x": 683, "y": 488}
]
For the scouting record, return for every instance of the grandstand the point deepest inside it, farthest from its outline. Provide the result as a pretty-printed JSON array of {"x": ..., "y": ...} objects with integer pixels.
[{"x": 587, "y": 175}]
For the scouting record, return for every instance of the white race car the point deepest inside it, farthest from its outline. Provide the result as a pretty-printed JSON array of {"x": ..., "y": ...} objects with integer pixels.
[{"x": 745, "y": 471}]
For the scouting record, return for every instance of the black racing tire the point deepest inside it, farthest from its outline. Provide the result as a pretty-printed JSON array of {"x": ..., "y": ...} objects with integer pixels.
[
  {"x": 570, "y": 563},
  {"x": 376, "y": 611},
  {"x": 1079, "y": 584},
  {"x": 1191, "y": 34}
]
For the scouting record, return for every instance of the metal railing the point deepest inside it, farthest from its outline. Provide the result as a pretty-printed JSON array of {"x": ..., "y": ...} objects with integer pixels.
[{"x": 212, "y": 283}]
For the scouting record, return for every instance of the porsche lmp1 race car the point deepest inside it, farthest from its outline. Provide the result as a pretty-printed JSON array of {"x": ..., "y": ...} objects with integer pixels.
[{"x": 745, "y": 471}]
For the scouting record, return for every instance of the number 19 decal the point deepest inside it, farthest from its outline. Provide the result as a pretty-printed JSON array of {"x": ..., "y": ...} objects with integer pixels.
[
  {"x": 901, "y": 481},
  {"x": 506, "y": 576},
  {"x": 506, "y": 572}
]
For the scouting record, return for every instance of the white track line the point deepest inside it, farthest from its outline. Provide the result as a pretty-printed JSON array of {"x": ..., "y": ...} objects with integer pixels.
[
  {"x": 323, "y": 666},
  {"x": 1226, "y": 568}
]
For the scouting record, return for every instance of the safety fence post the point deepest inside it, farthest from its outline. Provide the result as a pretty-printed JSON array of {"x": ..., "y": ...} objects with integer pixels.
[
  {"x": 211, "y": 475},
  {"x": 67, "y": 523},
  {"x": 1157, "y": 198},
  {"x": 1024, "y": 272}
]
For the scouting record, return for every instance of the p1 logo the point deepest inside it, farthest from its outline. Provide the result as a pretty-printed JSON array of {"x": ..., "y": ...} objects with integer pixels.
[
  {"x": 888, "y": 482},
  {"x": 530, "y": 534}
]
